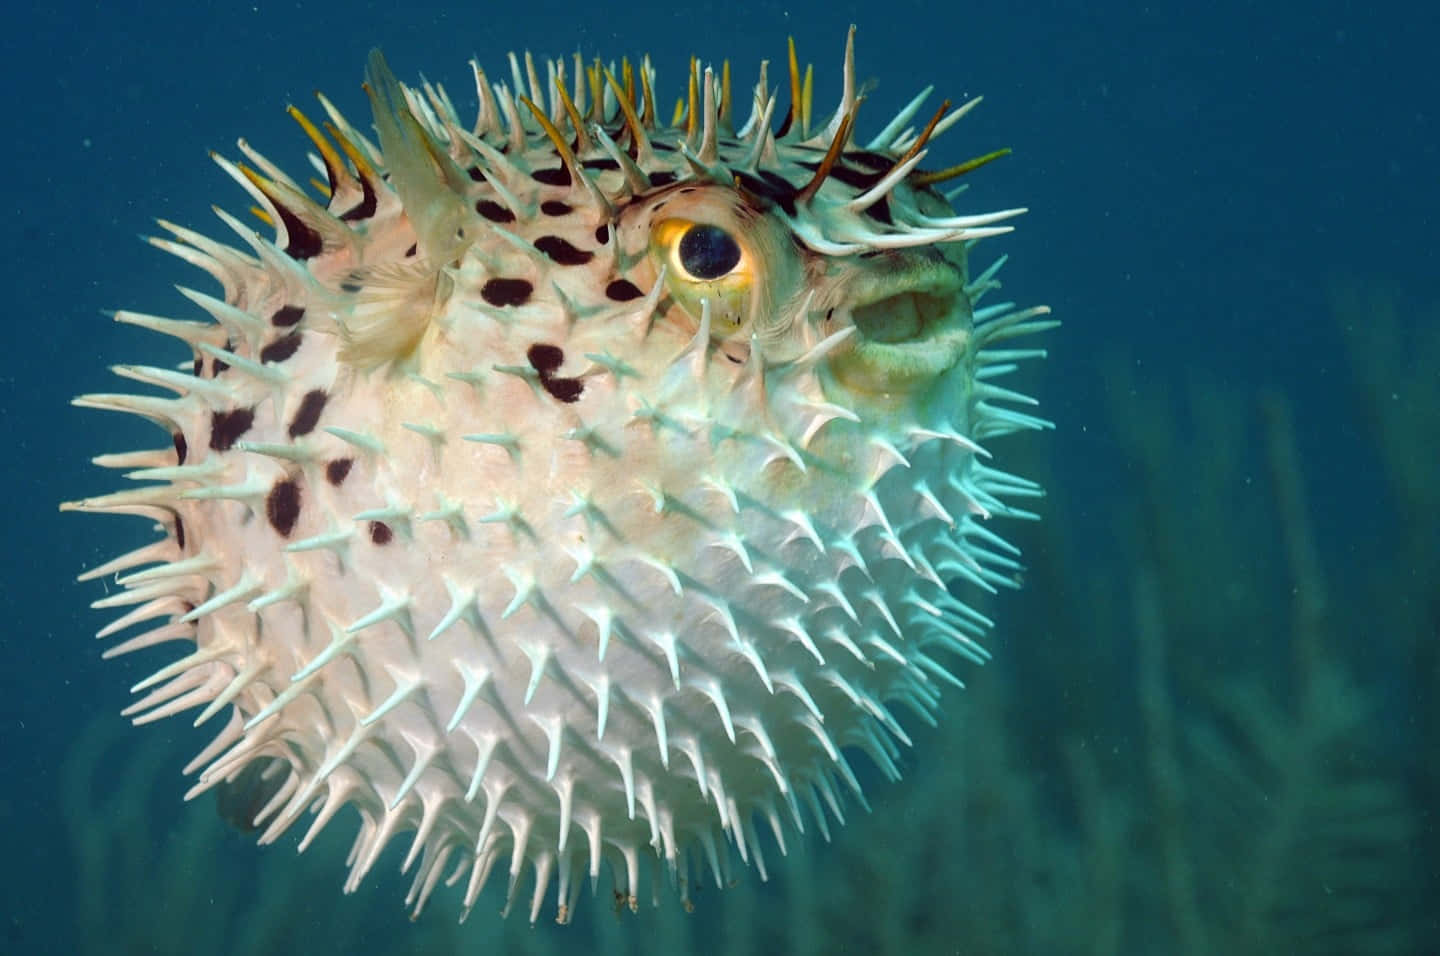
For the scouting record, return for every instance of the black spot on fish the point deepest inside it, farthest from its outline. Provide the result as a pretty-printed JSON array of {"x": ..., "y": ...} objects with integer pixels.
[
  {"x": 493, "y": 211},
  {"x": 365, "y": 208},
  {"x": 336, "y": 470},
  {"x": 179, "y": 533},
  {"x": 562, "y": 252},
  {"x": 600, "y": 164},
  {"x": 559, "y": 176},
  {"x": 301, "y": 242},
  {"x": 182, "y": 448},
  {"x": 860, "y": 179},
  {"x": 566, "y": 389},
  {"x": 308, "y": 414},
  {"x": 227, "y": 427},
  {"x": 622, "y": 290},
  {"x": 554, "y": 207},
  {"x": 282, "y": 506},
  {"x": 502, "y": 292},
  {"x": 876, "y": 161},
  {"x": 662, "y": 178},
  {"x": 286, "y": 316},
  {"x": 782, "y": 194},
  {"x": 380, "y": 532},
  {"x": 545, "y": 358},
  {"x": 281, "y": 349},
  {"x": 602, "y": 234}
]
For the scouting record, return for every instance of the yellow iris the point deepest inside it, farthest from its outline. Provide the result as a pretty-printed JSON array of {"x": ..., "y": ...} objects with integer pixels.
[{"x": 706, "y": 262}]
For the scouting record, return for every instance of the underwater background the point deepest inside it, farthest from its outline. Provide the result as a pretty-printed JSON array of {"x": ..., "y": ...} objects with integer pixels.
[{"x": 1211, "y": 721}]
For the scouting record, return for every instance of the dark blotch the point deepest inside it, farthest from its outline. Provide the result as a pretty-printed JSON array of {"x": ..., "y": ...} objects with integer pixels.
[
  {"x": 562, "y": 252},
  {"x": 565, "y": 389},
  {"x": 545, "y": 358},
  {"x": 282, "y": 506},
  {"x": 179, "y": 533},
  {"x": 286, "y": 316},
  {"x": 365, "y": 208},
  {"x": 493, "y": 211},
  {"x": 600, "y": 164},
  {"x": 662, "y": 178},
  {"x": 857, "y": 178},
  {"x": 501, "y": 292},
  {"x": 309, "y": 413},
  {"x": 476, "y": 175},
  {"x": 554, "y": 207},
  {"x": 336, "y": 470},
  {"x": 301, "y": 242},
  {"x": 602, "y": 235},
  {"x": 779, "y": 183},
  {"x": 181, "y": 447},
  {"x": 351, "y": 286},
  {"x": 880, "y": 211},
  {"x": 218, "y": 365},
  {"x": 197, "y": 367},
  {"x": 559, "y": 176},
  {"x": 380, "y": 532},
  {"x": 876, "y": 161},
  {"x": 414, "y": 247},
  {"x": 227, "y": 427},
  {"x": 622, "y": 290},
  {"x": 765, "y": 190},
  {"x": 281, "y": 349}
]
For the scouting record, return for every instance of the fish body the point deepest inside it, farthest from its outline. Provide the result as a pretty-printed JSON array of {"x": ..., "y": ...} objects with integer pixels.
[{"x": 569, "y": 489}]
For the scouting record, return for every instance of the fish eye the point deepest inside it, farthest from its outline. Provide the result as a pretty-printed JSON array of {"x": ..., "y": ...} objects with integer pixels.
[
  {"x": 706, "y": 263},
  {"x": 707, "y": 252}
]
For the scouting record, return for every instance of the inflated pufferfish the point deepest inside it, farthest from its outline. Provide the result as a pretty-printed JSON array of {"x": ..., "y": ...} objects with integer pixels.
[{"x": 572, "y": 489}]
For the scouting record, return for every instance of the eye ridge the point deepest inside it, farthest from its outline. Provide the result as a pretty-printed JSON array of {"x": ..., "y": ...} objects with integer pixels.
[{"x": 708, "y": 252}]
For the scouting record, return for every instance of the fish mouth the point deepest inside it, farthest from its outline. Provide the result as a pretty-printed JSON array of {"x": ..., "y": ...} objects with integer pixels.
[{"x": 912, "y": 321}]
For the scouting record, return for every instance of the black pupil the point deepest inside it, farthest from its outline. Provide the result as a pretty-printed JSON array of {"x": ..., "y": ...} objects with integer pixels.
[{"x": 708, "y": 252}]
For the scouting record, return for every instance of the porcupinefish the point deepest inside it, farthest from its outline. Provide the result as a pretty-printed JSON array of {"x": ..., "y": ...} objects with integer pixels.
[{"x": 570, "y": 489}]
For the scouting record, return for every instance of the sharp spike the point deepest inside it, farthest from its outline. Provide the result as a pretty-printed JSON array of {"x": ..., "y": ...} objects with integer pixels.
[
  {"x": 643, "y": 152},
  {"x": 635, "y": 178},
  {"x": 925, "y": 134},
  {"x": 709, "y": 153},
  {"x": 578, "y": 173},
  {"x": 924, "y": 179},
  {"x": 888, "y": 136},
  {"x": 792, "y": 121},
  {"x": 646, "y": 88},
  {"x": 832, "y": 156}
]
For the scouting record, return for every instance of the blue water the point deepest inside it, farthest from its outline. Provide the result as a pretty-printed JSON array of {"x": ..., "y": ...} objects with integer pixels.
[{"x": 1200, "y": 179}]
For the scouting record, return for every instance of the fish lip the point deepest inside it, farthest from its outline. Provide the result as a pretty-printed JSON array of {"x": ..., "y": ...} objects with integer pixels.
[
  {"x": 928, "y": 276},
  {"x": 943, "y": 331}
]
